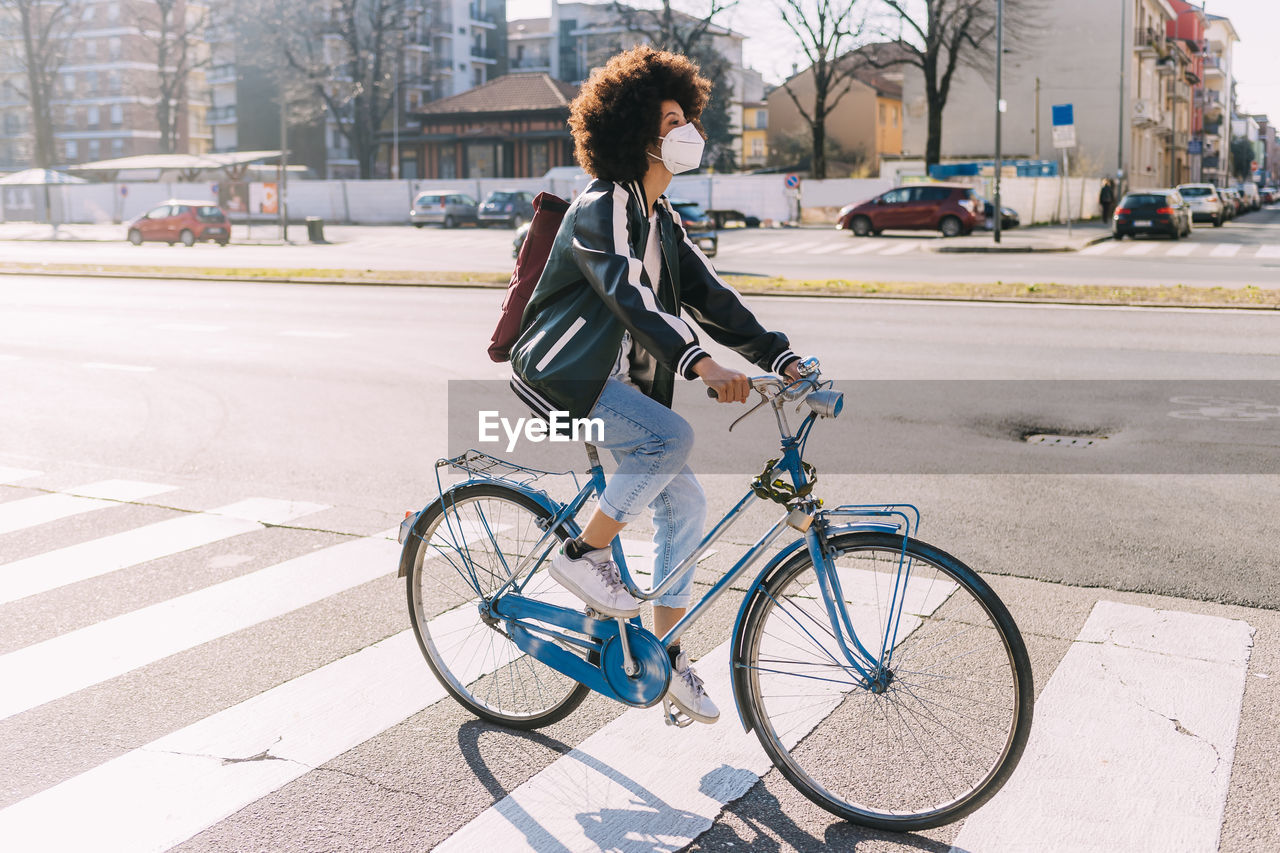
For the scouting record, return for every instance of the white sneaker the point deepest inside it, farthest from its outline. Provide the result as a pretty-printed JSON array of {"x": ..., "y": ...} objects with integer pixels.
[
  {"x": 594, "y": 578},
  {"x": 687, "y": 693}
]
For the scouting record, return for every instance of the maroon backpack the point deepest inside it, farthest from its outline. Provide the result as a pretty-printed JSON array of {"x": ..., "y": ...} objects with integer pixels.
[{"x": 548, "y": 210}]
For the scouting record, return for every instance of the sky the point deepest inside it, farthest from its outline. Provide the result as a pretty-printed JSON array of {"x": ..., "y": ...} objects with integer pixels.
[{"x": 771, "y": 49}]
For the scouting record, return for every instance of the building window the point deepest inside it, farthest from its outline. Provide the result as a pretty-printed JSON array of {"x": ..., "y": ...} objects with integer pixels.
[
  {"x": 90, "y": 49},
  {"x": 762, "y": 119},
  {"x": 91, "y": 83},
  {"x": 113, "y": 12},
  {"x": 114, "y": 48},
  {"x": 69, "y": 83},
  {"x": 884, "y": 118},
  {"x": 117, "y": 115},
  {"x": 113, "y": 82},
  {"x": 95, "y": 149},
  {"x": 895, "y": 116},
  {"x": 93, "y": 117},
  {"x": 478, "y": 77},
  {"x": 72, "y": 149},
  {"x": 481, "y": 162},
  {"x": 448, "y": 162},
  {"x": 757, "y": 147},
  {"x": 117, "y": 148}
]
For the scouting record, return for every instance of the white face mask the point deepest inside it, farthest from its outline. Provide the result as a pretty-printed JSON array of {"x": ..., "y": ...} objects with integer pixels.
[{"x": 681, "y": 149}]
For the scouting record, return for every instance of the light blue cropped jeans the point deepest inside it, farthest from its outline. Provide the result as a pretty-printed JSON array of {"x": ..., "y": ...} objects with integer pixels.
[{"x": 651, "y": 444}]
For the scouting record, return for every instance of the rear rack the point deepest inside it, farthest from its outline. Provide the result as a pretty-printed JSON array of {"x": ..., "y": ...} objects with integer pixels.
[{"x": 482, "y": 466}]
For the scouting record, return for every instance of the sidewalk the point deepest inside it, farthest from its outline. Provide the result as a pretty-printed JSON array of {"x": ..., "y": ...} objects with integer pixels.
[{"x": 1037, "y": 238}]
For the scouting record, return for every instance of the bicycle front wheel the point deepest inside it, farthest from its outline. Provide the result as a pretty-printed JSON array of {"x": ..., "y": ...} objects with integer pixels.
[
  {"x": 944, "y": 725},
  {"x": 463, "y": 548}
]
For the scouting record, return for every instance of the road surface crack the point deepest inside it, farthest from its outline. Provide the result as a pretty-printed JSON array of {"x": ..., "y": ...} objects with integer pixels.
[{"x": 376, "y": 784}]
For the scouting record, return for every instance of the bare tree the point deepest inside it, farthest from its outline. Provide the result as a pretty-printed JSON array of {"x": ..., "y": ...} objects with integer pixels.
[
  {"x": 174, "y": 32},
  {"x": 691, "y": 35},
  {"x": 42, "y": 31},
  {"x": 825, "y": 28},
  {"x": 348, "y": 51},
  {"x": 937, "y": 36}
]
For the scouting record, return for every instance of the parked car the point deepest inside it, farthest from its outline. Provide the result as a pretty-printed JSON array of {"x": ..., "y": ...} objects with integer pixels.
[
  {"x": 1152, "y": 212},
  {"x": 700, "y": 227},
  {"x": 510, "y": 207},
  {"x": 1228, "y": 203},
  {"x": 1008, "y": 216},
  {"x": 950, "y": 208},
  {"x": 185, "y": 222},
  {"x": 446, "y": 208},
  {"x": 1237, "y": 202},
  {"x": 1269, "y": 195},
  {"x": 1249, "y": 192},
  {"x": 1204, "y": 201},
  {"x": 729, "y": 218}
]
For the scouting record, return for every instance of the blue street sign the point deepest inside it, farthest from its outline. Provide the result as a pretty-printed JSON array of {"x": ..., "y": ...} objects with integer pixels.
[
  {"x": 793, "y": 181},
  {"x": 1195, "y": 146},
  {"x": 1063, "y": 114}
]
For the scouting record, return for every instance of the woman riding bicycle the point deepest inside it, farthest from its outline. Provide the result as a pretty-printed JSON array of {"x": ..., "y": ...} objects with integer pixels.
[{"x": 602, "y": 336}]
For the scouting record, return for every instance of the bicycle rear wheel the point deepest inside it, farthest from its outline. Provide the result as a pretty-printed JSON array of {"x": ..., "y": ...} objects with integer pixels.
[
  {"x": 945, "y": 731},
  {"x": 461, "y": 551}
]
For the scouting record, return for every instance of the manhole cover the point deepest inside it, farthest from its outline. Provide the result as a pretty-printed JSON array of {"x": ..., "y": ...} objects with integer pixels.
[{"x": 1066, "y": 440}]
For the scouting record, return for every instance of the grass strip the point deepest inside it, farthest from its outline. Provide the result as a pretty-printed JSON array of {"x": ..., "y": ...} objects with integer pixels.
[{"x": 1249, "y": 296}]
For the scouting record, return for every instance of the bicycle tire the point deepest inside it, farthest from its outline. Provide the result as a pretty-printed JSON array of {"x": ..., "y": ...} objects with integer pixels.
[
  {"x": 843, "y": 746},
  {"x": 475, "y": 661}
]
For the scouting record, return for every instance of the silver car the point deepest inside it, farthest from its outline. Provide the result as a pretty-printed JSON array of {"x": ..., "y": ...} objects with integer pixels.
[
  {"x": 447, "y": 208},
  {"x": 1204, "y": 201}
]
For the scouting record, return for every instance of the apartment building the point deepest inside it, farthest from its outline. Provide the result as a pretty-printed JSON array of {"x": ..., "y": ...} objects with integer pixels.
[
  {"x": 577, "y": 37},
  {"x": 450, "y": 47},
  {"x": 104, "y": 103},
  {"x": 1147, "y": 80}
]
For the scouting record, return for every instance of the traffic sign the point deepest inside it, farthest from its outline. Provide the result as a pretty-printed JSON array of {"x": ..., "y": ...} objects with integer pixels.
[
  {"x": 1063, "y": 114},
  {"x": 124, "y": 190},
  {"x": 793, "y": 181},
  {"x": 1195, "y": 146},
  {"x": 1064, "y": 126}
]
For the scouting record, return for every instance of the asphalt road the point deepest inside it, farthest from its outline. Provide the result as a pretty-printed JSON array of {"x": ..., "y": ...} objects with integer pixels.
[
  {"x": 336, "y": 397},
  {"x": 1246, "y": 251}
]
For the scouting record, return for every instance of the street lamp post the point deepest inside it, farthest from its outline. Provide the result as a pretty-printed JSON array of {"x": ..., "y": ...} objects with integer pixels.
[{"x": 995, "y": 213}]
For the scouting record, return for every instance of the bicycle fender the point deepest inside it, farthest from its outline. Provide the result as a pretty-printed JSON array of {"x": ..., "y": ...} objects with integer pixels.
[
  {"x": 739, "y": 684},
  {"x": 413, "y": 523}
]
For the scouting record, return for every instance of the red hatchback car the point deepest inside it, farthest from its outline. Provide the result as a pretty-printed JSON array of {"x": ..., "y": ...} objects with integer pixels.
[
  {"x": 185, "y": 222},
  {"x": 950, "y": 208}
]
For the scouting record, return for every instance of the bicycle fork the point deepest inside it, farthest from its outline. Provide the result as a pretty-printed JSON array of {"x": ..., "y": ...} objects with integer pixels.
[{"x": 871, "y": 668}]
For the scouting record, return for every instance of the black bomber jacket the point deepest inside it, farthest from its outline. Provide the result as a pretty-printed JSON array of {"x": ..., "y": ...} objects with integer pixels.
[{"x": 594, "y": 288}]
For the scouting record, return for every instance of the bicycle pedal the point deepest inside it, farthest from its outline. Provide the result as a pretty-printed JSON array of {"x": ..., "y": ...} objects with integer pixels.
[{"x": 673, "y": 716}]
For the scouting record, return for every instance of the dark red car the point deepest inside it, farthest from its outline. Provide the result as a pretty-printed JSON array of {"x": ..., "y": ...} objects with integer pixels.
[
  {"x": 950, "y": 208},
  {"x": 185, "y": 222}
]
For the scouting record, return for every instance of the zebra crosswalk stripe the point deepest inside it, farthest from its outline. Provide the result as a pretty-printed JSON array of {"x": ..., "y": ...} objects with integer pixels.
[
  {"x": 1181, "y": 250},
  {"x": 57, "y": 667},
  {"x": 29, "y": 512},
  {"x": 1155, "y": 695},
  {"x": 1140, "y": 249},
  {"x": 868, "y": 246},
  {"x": 1225, "y": 250},
  {"x": 901, "y": 249},
  {"x": 9, "y": 476},
  {"x": 161, "y": 794},
  {"x": 1268, "y": 252},
  {"x": 96, "y": 557},
  {"x": 1098, "y": 249}
]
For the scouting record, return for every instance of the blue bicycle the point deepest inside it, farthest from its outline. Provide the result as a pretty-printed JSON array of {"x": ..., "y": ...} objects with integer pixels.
[{"x": 883, "y": 677}]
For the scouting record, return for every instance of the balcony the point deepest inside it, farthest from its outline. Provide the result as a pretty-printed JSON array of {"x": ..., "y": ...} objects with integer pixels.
[
  {"x": 487, "y": 55},
  {"x": 1150, "y": 41},
  {"x": 1213, "y": 66},
  {"x": 220, "y": 74},
  {"x": 530, "y": 63},
  {"x": 221, "y": 115},
  {"x": 481, "y": 18}
]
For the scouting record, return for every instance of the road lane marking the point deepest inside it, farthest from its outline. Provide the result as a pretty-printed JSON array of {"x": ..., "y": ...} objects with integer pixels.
[
  {"x": 1225, "y": 250},
  {"x": 5, "y": 356},
  {"x": 28, "y": 512},
  {"x": 756, "y": 246},
  {"x": 9, "y": 476},
  {"x": 62, "y": 665},
  {"x": 96, "y": 557},
  {"x": 161, "y": 794},
  {"x": 1268, "y": 252},
  {"x": 1140, "y": 249},
  {"x": 868, "y": 246},
  {"x": 106, "y": 365},
  {"x": 621, "y": 777},
  {"x": 307, "y": 333},
  {"x": 1180, "y": 250},
  {"x": 740, "y": 247},
  {"x": 1155, "y": 696},
  {"x": 1098, "y": 248},
  {"x": 830, "y": 247},
  {"x": 902, "y": 248}
]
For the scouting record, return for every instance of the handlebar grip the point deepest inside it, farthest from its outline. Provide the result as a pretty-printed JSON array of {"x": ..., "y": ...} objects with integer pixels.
[{"x": 711, "y": 392}]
